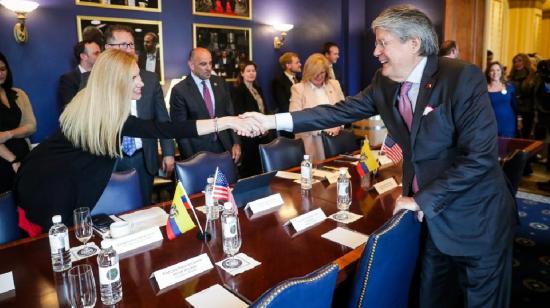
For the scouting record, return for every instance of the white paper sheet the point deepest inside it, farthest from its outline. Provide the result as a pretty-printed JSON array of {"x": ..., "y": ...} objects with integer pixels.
[
  {"x": 288, "y": 175},
  {"x": 214, "y": 297},
  {"x": 346, "y": 237},
  {"x": 6, "y": 282}
]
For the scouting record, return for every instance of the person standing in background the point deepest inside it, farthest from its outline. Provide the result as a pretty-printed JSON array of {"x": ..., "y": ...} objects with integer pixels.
[
  {"x": 503, "y": 99},
  {"x": 149, "y": 59},
  {"x": 522, "y": 77},
  {"x": 449, "y": 49},
  {"x": 332, "y": 53},
  {"x": 16, "y": 123}
]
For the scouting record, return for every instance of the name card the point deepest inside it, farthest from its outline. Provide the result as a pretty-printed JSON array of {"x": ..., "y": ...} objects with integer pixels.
[
  {"x": 346, "y": 237},
  {"x": 323, "y": 173},
  {"x": 308, "y": 219},
  {"x": 266, "y": 203},
  {"x": 384, "y": 161},
  {"x": 183, "y": 270},
  {"x": 288, "y": 175},
  {"x": 6, "y": 282},
  {"x": 333, "y": 178},
  {"x": 137, "y": 240},
  {"x": 385, "y": 185}
]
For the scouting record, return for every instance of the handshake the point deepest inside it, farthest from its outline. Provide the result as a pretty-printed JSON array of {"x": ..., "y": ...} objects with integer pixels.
[{"x": 252, "y": 124}]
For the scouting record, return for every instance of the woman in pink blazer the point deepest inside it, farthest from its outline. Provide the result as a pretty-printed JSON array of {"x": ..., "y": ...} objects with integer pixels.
[{"x": 316, "y": 88}]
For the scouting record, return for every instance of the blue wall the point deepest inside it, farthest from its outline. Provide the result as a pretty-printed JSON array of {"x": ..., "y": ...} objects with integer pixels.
[{"x": 38, "y": 64}]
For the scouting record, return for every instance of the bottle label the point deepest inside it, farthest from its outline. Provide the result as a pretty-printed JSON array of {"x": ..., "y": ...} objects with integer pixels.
[
  {"x": 343, "y": 189},
  {"x": 108, "y": 275},
  {"x": 306, "y": 172},
  {"x": 230, "y": 227},
  {"x": 59, "y": 241}
]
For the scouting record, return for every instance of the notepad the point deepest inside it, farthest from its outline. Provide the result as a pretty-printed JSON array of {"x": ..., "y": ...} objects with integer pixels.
[
  {"x": 346, "y": 237},
  {"x": 214, "y": 297}
]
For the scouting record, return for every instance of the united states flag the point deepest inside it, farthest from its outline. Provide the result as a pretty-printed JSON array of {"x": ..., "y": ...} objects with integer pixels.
[
  {"x": 392, "y": 150},
  {"x": 221, "y": 187}
]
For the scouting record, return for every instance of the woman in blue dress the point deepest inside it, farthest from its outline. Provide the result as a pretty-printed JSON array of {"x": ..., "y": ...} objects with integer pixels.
[{"x": 503, "y": 100}]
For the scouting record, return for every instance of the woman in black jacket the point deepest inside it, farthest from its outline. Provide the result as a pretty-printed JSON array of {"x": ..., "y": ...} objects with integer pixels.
[{"x": 247, "y": 96}]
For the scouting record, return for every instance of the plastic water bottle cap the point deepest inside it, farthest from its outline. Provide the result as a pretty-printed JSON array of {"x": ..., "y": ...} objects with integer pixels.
[
  {"x": 210, "y": 180},
  {"x": 106, "y": 244},
  {"x": 227, "y": 206},
  {"x": 56, "y": 219},
  {"x": 306, "y": 156},
  {"x": 343, "y": 170}
]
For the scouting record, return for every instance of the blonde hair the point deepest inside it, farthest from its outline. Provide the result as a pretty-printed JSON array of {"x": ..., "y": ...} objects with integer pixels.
[
  {"x": 94, "y": 118},
  {"x": 286, "y": 58},
  {"x": 315, "y": 64}
]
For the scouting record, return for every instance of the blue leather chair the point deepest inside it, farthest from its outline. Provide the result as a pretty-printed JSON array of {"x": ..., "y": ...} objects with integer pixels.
[
  {"x": 385, "y": 271},
  {"x": 313, "y": 290},
  {"x": 345, "y": 142},
  {"x": 122, "y": 194},
  {"x": 9, "y": 219},
  {"x": 194, "y": 171},
  {"x": 281, "y": 153},
  {"x": 513, "y": 166}
]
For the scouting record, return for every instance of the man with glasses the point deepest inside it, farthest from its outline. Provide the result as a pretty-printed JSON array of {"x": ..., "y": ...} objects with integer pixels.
[
  {"x": 141, "y": 154},
  {"x": 439, "y": 112}
]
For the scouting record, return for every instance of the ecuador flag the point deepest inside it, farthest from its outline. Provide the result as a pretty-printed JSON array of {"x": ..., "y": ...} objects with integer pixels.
[
  {"x": 179, "y": 220},
  {"x": 368, "y": 162}
]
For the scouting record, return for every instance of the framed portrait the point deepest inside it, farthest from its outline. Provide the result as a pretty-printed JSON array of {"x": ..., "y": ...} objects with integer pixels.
[
  {"x": 147, "y": 38},
  {"x": 229, "y": 47},
  {"x": 241, "y": 9},
  {"x": 138, "y": 5}
]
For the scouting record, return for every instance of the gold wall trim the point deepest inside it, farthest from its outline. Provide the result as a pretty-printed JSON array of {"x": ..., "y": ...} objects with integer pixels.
[{"x": 517, "y": 4}]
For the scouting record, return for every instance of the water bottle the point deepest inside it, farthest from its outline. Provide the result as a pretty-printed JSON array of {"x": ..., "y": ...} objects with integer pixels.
[
  {"x": 109, "y": 274},
  {"x": 306, "y": 176},
  {"x": 212, "y": 211},
  {"x": 231, "y": 235},
  {"x": 59, "y": 245},
  {"x": 343, "y": 187}
]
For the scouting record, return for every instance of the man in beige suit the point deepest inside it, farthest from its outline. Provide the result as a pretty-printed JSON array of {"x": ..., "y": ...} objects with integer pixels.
[{"x": 316, "y": 88}]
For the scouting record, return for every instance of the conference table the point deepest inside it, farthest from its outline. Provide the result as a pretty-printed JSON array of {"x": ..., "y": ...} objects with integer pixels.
[{"x": 267, "y": 238}]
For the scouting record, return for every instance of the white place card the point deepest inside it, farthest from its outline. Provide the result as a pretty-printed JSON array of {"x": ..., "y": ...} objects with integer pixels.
[
  {"x": 148, "y": 218},
  {"x": 77, "y": 256},
  {"x": 385, "y": 185},
  {"x": 266, "y": 203},
  {"x": 351, "y": 217},
  {"x": 247, "y": 263},
  {"x": 385, "y": 161},
  {"x": 308, "y": 219},
  {"x": 288, "y": 175},
  {"x": 6, "y": 282},
  {"x": 183, "y": 270},
  {"x": 346, "y": 237},
  {"x": 323, "y": 173},
  {"x": 214, "y": 297},
  {"x": 136, "y": 240}
]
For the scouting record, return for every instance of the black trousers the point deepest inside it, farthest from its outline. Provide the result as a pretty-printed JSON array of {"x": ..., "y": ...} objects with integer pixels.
[
  {"x": 485, "y": 280},
  {"x": 137, "y": 161}
]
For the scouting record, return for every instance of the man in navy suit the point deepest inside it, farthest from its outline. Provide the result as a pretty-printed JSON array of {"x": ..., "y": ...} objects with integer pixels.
[
  {"x": 439, "y": 112},
  {"x": 202, "y": 95}
]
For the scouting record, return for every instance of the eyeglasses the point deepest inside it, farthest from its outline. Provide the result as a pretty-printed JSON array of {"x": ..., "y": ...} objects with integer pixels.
[
  {"x": 381, "y": 43},
  {"x": 123, "y": 45}
]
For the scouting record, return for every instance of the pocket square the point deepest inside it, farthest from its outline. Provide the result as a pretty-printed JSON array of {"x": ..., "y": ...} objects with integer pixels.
[{"x": 427, "y": 110}]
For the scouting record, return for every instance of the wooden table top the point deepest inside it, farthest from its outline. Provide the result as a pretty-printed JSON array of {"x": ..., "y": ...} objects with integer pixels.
[{"x": 283, "y": 253}]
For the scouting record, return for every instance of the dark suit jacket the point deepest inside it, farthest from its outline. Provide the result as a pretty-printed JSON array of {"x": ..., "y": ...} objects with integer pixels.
[
  {"x": 186, "y": 103},
  {"x": 280, "y": 89},
  {"x": 69, "y": 84},
  {"x": 142, "y": 60},
  {"x": 453, "y": 150},
  {"x": 151, "y": 107}
]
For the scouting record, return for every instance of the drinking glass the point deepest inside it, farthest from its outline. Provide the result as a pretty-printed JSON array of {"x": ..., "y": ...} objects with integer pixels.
[
  {"x": 83, "y": 229},
  {"x": 343, "y": 200},
  {"x": 82, "y": 286},
  {"x": 231, "y": 242}
]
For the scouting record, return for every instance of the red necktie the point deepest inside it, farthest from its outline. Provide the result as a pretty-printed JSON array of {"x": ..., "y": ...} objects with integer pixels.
[
  {"x": 207, "y": 99},
  {"x": 405, "y": 109}
]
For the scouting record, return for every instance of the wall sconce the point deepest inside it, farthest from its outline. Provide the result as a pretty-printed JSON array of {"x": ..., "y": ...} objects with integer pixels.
[
  {"x": 278, "y": 42},
  {"x": 21, "y": 8}
]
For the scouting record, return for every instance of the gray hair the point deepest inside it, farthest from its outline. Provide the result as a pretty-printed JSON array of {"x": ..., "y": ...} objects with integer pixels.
[{"x": 407, "y": 22}]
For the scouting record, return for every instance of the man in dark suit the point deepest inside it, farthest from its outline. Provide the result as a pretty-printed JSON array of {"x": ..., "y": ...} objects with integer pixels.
[
  {"x": 280, "y": 86},
  {"x": 150, "y": 107},
  {"x": 332, "y": 53},
  {"x": 439, "y": 112},
  {"x": 85, "y": 54},
  {"x": 149, "y": 59},
  {"x": 202, "y": 95}
]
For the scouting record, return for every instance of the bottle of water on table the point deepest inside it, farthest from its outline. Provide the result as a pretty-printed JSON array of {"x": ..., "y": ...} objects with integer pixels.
[
  {"x": 59, "y": 245},
  {"x": 306, "y": 173},
  {"x": 109, "y": 274}
]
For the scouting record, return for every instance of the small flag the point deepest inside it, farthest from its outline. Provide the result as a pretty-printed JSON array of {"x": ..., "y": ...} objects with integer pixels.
[
  {"x": 221, "y": 189},
  {"x": 392, "y": 150},
  {"x": 368, "y": 162},
  {"x": 179, "y": 220}
]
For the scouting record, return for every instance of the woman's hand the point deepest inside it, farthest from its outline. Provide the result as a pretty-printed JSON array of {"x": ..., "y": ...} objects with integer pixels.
[
  {"x": 333, "y": 131},
  {"x": 5, "y": 136},
  {"x": 248, "y": 127},
  {"x": 15, "y": 166}
]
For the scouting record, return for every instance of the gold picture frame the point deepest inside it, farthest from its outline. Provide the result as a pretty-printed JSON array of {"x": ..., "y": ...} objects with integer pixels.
[
  {"x": 235, "y": 42},
  {"x": 135, "y": 5},
  {"x": 240, "y": 9},
  {"x": 140, "y": 26}
]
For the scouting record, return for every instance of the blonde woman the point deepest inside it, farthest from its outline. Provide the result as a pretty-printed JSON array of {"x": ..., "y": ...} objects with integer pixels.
[
  {"x": 316, "y": 88},
  {"x": 71, "y": 168}
]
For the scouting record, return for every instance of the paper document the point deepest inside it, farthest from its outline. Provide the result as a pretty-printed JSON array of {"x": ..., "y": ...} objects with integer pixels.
[
  {"x": 6, "y": 282},
  {"x": 214, "y": 297},
  {"x": 346, "y": 237}
]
